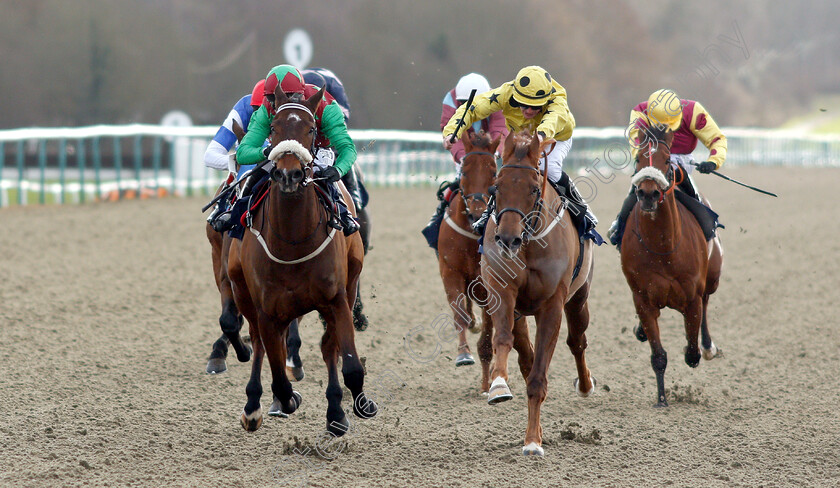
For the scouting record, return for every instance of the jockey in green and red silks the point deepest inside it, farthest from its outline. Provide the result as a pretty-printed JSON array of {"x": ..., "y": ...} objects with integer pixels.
[{"x": 334, "y": 152}]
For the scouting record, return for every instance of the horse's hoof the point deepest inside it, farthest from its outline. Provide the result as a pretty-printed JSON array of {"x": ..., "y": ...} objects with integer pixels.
[
  {"x": 360, "y": 322},
  {"x": 216, "y": 366},
  {"x": 464, "y": 359},
  {"x": 711, "y": 353},
  {"x": 475, "y": 326},
  {"x": 276, "y": 408},
  {"x": 692, "y": 359},
  {"x": 499, "y": 392},
  {"x": 639, "y": 331},
  {"x": 338, "y": 427},
  {"x": 243, "y": 355},
  {"x": 251, "y": 422},
  {"x": 293, "y": 371},
  {"x": 662, "y": 403},
  {"x": 364, "y": 407},
  {"x": 582, "y": 393},
  {"x": 533, "y": 449}
]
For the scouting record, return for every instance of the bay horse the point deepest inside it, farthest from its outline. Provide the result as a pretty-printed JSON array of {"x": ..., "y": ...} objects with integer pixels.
[
  {"x": 230, "y": 317},
  {"x": 535, "y": 262},
  {"x": 289, "y": 263},
  {"x": 458, "y": 257},
  {"x": 666, "y": 259}
]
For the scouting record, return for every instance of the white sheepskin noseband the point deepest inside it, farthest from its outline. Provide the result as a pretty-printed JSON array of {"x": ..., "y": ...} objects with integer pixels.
[
  {"x": 290, "y": 147},
  {"x": 651, "y": 173}
]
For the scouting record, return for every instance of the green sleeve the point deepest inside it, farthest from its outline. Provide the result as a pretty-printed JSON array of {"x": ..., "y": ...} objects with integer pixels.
[
  {"x": 332, "y": 123},
  {"x": 250, "y": 150}
]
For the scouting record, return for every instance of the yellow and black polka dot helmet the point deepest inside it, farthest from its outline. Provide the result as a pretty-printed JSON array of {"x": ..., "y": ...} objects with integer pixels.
[{"x": 532, "y": 86}]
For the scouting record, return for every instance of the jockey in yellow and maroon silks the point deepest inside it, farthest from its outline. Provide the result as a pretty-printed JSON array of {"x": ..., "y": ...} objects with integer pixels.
[{"x": 691, "y": 123}]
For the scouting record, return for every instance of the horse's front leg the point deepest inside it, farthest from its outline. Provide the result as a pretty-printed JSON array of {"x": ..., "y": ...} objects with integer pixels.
[
  {"x": 273, "y": 336},
  {"x": 485, "y": 349},
  {"x": 338, "y": 317},
  {"x": 455, "y": 285},
  {"x": 502, "y": 319},
  {"x": 577, "y": 316},
  {"x": 693, "y": 315},
  {"x": 252, "y": 417},
  {"x": 548, "y": 329},
  {"x": 648, "y": 316}
]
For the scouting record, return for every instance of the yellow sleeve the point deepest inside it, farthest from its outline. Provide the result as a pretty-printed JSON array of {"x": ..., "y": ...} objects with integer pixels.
[
  {"x": 633, "y": 131},
  {"x": 709, "y": 134},
  {"x": 480, "y": 109},
  {"x": 557, "y": 122}
]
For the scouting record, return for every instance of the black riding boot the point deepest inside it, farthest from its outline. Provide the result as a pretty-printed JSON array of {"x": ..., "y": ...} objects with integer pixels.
[
  {"x": 432, "y": 229},
  {"x": 345, "y": 218},
  {"x": 580, "y": 211},
  {"x": 480, "y": 224},
  {"x": 352, "y": 184},
  {"x": 227, "y": 220},
  {"x": 617, "y": 228}
]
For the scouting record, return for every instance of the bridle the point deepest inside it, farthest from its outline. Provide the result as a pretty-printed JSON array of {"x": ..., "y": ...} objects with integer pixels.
[
  {"x": 672, "y": 178},
  {"x": 295, "y": 149},
  {"x": 535, "y": 211},
  {"x": 481, "y": 197},
  {"x": 305, "y": 166}
]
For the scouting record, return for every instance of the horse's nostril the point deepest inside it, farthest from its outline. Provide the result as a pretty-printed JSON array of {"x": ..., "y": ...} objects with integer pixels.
[
  {"x": 516, "y": 242},
  {"x": 296, "y": 175}
]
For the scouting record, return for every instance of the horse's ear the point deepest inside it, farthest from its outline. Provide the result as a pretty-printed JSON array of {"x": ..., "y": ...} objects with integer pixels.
[
  {"x": 279, "y": 96},
  {"x": 467, "y": 140},
  {"x": 495, "y": 144},
  {"x": 315, "y": 99},
  {"x": 535, "y": 149},
  {"x": 510, "y": 146},
  {"x": 237, "y": 131}
]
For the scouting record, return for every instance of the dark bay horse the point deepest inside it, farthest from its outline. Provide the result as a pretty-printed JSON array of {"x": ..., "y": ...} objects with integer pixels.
[
  {"x": 535, "y": 263},
  {"x": 666, "y": 259},
  {"x": 291, "y": 263},
  {"x": 458, "y": 256}
]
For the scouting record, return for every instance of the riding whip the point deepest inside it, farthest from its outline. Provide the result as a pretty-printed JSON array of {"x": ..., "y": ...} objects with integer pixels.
[
  {"x": 461, "y": 122},
  {"x": 738, "y": 182}
]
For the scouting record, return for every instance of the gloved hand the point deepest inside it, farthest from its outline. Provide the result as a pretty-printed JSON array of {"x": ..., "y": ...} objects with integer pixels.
[
  {"x": 330, "y": 174},
  {"x": 266, "y": 151},
  {"x": 447, "y": 144},
  {"x": 706, "y": 167}
]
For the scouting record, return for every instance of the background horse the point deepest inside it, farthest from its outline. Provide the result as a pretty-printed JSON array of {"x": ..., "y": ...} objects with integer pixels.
[
  {"x": 666, "y": 259},
  {"x": 458, "y": 256},
  {"x": 536, "y": 264},
  {"x": 290, "y": 263}
]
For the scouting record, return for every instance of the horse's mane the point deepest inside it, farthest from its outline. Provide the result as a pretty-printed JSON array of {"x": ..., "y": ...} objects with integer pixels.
[
  {"x": 657, "y": 132},
  {"x": 480, "y": 140}
]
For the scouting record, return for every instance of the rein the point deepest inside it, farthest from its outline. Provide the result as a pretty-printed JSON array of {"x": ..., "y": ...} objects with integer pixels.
[{"x": 291, "y": 147}]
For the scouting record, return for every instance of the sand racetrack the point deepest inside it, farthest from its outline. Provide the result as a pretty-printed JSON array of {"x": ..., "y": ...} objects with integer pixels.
[{"x": 108, "y": 312}]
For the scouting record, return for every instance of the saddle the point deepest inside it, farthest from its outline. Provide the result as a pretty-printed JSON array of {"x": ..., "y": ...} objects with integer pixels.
[{"x": 242, "y": 213}]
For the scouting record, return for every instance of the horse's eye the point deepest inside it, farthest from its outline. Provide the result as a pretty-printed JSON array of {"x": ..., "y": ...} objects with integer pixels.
[
  {"x": 312, "y": 130},
  {"x": 271, "y": 129},
  {"x": 535, "y": 190}
]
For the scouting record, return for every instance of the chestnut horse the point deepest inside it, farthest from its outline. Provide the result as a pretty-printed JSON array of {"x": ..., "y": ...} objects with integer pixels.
[
  {"x": 291, "y": 263},
  {"x": 535, "y": 263},
  {"x": 667, "y": 260},
  {"x": 458, "y": 256}
]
